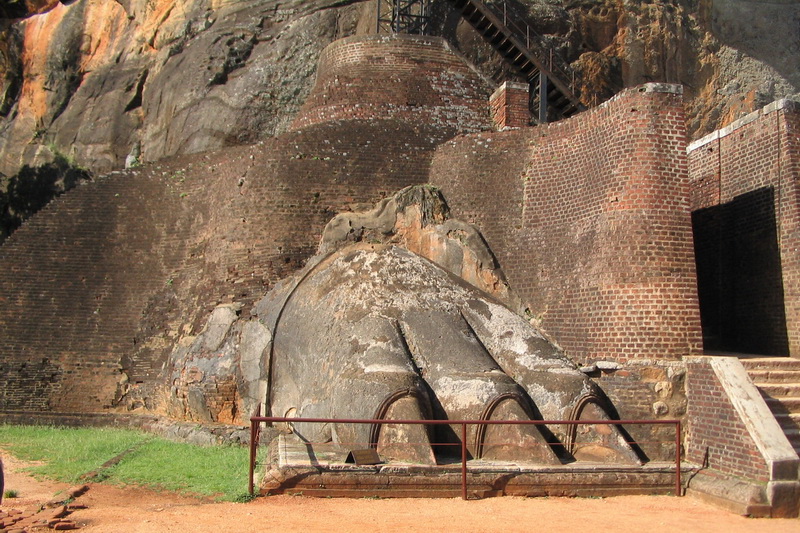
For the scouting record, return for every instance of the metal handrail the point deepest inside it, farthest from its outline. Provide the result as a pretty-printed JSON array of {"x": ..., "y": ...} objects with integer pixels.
[
  {"x": 256, "y": 420},
  {"x": 522, "y": 29}
]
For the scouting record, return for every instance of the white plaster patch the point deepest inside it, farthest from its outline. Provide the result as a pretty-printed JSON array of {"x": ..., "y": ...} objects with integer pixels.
[
  {"x": 530, "y": 361},
  {"x": 390, "y": 369},
  {"x": 549, "y": 403},
  {"x": 463, "y": 393}
]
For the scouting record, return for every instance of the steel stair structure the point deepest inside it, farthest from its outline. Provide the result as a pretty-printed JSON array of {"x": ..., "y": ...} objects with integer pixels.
[{"x": 551, "y": 84}]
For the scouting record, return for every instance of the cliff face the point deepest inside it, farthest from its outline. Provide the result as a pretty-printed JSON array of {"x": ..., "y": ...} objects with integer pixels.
[
  {"x": 101, "y": 82},
  {"x": 731, "y": 56}
]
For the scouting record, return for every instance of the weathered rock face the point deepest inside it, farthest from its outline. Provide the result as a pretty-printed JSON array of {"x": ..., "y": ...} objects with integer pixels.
[
  {"x": 101, "y": 81},
  {"x": 107, "y": 79},
  {"x": 731, "y": 56}
]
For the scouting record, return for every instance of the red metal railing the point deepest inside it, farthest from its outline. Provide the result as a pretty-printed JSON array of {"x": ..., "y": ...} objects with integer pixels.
[
  {"x": 255, "y": 425},
  {"x": 256, "y": 420}
]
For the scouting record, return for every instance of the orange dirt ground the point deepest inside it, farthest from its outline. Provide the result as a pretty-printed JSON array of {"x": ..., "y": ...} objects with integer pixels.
[{"x": 120, "y": 510}]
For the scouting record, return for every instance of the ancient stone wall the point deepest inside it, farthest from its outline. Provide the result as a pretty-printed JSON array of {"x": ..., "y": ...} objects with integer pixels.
[
  {"x": 746, "y": 217},
  {"x": 74, "y": 280},
  {"x": 647, "y": 390},
  {"x": 267, "y": 219},
  {"x": 100, "y": 287},
  {"x": 589, "y": 218},
  {"x": 405, "y": 77}
]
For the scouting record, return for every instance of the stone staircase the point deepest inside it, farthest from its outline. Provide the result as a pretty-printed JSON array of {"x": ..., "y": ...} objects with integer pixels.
[
  {"x": 552, "y": 80},
  {"x": 778, "y": 379}
]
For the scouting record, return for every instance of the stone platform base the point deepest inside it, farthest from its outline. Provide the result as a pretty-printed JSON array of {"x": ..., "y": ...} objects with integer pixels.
[{"x": 321, "y": 470}]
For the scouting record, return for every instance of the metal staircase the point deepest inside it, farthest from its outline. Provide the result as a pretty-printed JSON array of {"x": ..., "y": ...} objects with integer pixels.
[{"x": 552, "y": 80}]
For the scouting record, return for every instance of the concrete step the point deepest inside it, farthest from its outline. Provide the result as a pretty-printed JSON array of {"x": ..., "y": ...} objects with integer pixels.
[
  {"x": 764, "y": 376},
  {"x": 770, "y": 363},
  {"x": 786, "y": 404},
  {"x": 320, "y": 470},
  {"x": 788, "y": 420},
  {"x": 780, "y": 390},
  {"x": 381, "y": 492},
  {"x": 794, "y": 438}
]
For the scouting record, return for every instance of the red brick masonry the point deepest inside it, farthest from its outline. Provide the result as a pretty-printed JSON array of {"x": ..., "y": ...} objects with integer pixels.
[{"x": 590, "y": 219}]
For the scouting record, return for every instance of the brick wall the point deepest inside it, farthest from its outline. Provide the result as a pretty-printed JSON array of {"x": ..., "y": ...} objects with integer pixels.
[
  {"x": 590, "y": 219},
  {"x": 417, "y": 79},
  {"x": 509, "y": 105},
  {"x": 745, "y": 210},
  {"x": 73, "y": 281},
  {"x": 718, "y": 439},
  {"x": 97, "y": 288}
]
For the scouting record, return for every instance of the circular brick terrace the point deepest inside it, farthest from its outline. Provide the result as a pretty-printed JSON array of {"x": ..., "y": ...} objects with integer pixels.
[{"x": 416, "y": 79}]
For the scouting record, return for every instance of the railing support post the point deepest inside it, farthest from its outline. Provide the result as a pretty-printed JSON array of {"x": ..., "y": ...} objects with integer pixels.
[
  {"x": 253, "y": 444},
  {"x": 678, "y": 491},
  {"x": 463, "y": 461},
  {"x": 542, "y": 98}
]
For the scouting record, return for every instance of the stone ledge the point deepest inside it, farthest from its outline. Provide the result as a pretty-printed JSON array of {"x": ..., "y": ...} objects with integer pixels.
[{"x": 778, "y": 105}]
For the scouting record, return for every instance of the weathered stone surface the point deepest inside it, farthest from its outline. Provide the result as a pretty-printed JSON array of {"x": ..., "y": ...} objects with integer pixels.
[
  {"x": 175, "y": 76},
  {"x": 417, "y": 218},
  {"x": 371, "y": 329},
  {"x": 374, "y": 317}
]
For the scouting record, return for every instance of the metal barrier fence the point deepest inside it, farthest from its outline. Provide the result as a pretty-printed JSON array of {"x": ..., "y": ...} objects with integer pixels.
[{"x": 255, "y": 431}]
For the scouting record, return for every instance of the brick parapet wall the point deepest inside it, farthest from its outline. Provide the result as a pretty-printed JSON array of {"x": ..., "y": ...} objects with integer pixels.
[
  {"x": 746, "y": 462},
  {"x": 510, "y": 106},
  {"x": 417, "y": 79},
  {"x": 595, "y": 233},
  {"x": 789, "y": 232},
  {"x": 758, "y": 153}
]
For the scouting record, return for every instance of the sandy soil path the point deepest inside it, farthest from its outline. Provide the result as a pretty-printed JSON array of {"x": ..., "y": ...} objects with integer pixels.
[{"x": 129, "y": 510}]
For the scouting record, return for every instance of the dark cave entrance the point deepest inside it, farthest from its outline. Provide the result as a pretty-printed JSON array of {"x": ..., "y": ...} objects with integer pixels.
[{"x": 739, "y": 276}]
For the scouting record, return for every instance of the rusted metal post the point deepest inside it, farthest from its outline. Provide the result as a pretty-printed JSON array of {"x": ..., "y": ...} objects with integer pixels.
[
  {"x": 463, "y": 461},
  {"x": 250, "y": 487},
  {"x": 255, "y": 425},
  {"x": 678, "y": 491}
]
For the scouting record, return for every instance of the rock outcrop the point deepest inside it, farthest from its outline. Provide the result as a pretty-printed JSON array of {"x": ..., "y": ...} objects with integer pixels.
[{"x": 102, "y": 81}]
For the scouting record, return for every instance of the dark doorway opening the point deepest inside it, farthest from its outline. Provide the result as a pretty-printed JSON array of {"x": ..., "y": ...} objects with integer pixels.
[{"x": 739, "y": 277}]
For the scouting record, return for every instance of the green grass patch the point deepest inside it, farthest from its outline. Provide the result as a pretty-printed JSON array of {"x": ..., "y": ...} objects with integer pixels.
[
  {"x": 68, "y": 454},
  {"x": 219, "y": 471}
]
